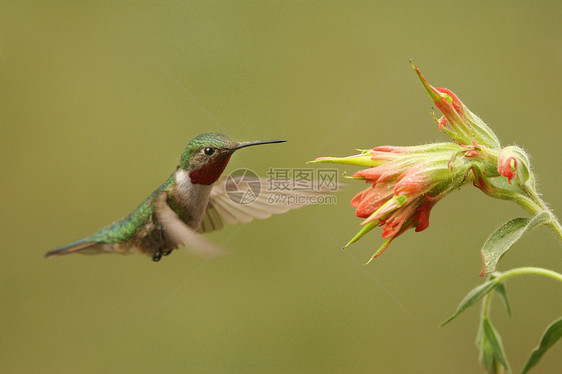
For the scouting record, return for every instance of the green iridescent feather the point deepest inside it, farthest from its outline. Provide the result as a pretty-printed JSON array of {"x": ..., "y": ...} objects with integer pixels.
[
  {"x": 122, "y": 230},
  {"x": 207, "y": 139}
]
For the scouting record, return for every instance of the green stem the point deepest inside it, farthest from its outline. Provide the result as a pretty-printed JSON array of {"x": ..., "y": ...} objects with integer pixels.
[
  {"x": 511, "y": 273},
  {"x": 486, "y": 305},
  {"x": 529, "y": 270},
  {"x": 537, "y": 205},
  {"x": 487, "y": 302}
]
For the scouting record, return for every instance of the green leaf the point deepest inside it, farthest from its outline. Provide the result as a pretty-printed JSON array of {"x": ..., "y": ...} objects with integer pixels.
[
  {"x": 473, "y": 296},
  {"x": 503, "y": 238},
  {"x": 549, "y": 338},
  {"x": 486, "y": 356},
  {"x": 365, "y": 229},
  {"x": 495, "y": 343},
  {"x": 500, "y": 289}
]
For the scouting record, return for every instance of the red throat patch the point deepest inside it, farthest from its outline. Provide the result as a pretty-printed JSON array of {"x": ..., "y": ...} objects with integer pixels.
[{"x": 209, "y": 173}]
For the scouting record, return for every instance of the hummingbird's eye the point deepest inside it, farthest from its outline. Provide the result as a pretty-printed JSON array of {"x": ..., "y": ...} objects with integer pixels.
[{"x": 209, "y": 151}]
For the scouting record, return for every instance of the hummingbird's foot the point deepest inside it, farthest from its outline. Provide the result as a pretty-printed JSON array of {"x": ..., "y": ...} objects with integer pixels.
[{"x": 157, "y": 256}]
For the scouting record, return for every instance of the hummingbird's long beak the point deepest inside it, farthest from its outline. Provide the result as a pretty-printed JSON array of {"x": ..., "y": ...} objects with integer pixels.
[{"x": 249, "y": 144}]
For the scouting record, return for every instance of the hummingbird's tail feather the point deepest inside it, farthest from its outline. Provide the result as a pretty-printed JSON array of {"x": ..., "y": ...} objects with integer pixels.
[{"x": 77, "y": 246}]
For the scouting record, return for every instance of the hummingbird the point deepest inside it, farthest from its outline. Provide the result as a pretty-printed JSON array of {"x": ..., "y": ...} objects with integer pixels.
[{"x": 193, "y": 200}]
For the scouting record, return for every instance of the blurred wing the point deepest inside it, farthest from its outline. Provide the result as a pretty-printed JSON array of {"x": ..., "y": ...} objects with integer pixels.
[
  {"x": 235, "y": 199},
  {"x": 178, "y": 234},
  {"x": 212, "y": 220}
]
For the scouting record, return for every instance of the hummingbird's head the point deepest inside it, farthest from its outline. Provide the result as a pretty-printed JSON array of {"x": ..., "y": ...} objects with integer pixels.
[{"x": 206, "y": 156}]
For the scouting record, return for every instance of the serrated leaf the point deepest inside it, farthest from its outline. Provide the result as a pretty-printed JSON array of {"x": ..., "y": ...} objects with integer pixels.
[
  {"x": 473, "y": 296},
  {"x": 503, "y": 238},
  {"x": 549, "y": 338},
  {"x": 495, "y": 343}
]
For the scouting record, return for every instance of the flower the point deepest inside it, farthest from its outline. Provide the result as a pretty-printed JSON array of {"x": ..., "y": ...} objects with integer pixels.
[
  {"x": 406, "y": 182},
  {"x": 459, "y": 123},
  {"x": 513, "y": 163},
  {"x": 504, "y": 174}
]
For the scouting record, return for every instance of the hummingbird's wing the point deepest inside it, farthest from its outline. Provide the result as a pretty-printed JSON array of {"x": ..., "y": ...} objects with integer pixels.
[
  {"x": 236, "y": 199},
  {"x": 212, "y": 220},
  {"x": 178, "y": 234}
]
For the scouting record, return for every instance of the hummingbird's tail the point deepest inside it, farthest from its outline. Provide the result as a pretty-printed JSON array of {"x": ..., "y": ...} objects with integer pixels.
[{"x": 77, "y": 246}]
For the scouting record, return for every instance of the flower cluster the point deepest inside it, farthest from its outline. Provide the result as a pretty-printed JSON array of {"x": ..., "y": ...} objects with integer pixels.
[{"x": 406, "y": 182}]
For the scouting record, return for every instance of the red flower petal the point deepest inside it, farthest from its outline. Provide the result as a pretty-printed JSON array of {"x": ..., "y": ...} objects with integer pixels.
[
  {"x": 457, "y": 104},
  {"x": 507, "y": 168},
  {"x": 380, "y": 173},
  {"x": 424, "y": 210},
  {"x": 368, "y": 201}
]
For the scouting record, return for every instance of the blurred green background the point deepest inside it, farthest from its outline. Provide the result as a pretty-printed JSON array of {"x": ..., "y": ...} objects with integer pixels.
[{"x": 94, "y": 117}]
